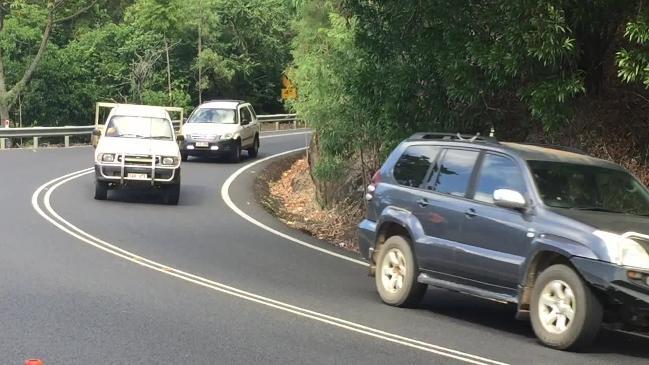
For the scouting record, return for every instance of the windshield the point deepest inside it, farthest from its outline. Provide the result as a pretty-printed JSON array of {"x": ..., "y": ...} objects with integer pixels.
[
  {"x": 584, "y": 187},
  {"x": 213, "y": 116},
  {"x": 139, "y": 127}
]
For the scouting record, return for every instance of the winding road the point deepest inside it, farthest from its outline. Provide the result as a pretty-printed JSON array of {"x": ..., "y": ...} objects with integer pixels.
[{"x": 216, "y": 280}]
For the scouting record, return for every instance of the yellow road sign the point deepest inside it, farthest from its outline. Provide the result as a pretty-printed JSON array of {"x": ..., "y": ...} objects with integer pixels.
[
  {"x": 289, "y": 91},
  {"x": 289, "y": 94}
]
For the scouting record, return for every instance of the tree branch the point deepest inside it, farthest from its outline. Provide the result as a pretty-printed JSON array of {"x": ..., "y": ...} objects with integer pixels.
[
  {"x": 81, "y": 11},
  {"x": 3, "y": 13},
  {"x": 27, "y": 76}
]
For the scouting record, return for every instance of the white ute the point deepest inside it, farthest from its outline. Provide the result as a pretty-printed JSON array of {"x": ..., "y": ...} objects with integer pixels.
[{"x": 138, "y": 147}]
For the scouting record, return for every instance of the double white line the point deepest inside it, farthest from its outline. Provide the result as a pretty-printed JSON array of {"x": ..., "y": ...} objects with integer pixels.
[{"x": 42, "y": 205}]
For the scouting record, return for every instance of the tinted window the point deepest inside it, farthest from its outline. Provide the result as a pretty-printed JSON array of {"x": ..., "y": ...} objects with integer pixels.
[
  {"x": 498, "y": 172},
  {"x": 413, "y": 165},
  {"x": 455, "y": 172}
]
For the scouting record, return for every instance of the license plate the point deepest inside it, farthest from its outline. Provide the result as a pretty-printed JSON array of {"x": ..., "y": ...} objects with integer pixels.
[
  {"x": 202, "y": 144},
  {"x": 132, "y": 175}
]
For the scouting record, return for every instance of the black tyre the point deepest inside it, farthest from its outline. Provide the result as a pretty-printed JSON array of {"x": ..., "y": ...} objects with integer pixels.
[
  {"x": 171, "y": 194},
  {"x": 254, "y": 150},
  {"x": 565, "y": 313},
  {"x": 396, "y": 274},
  {"x": 235, "y": 155},
  {"x": 184, "y": 156},
  {"x": 101, "y": 190}
]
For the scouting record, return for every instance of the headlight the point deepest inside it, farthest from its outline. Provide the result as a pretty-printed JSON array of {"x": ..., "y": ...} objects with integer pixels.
[
  {"x": 227, "y": 136},
  {"x": 624, "y": 251},
  {"x": 107, "y": 157},
  {"x": 168, "y": 160}
]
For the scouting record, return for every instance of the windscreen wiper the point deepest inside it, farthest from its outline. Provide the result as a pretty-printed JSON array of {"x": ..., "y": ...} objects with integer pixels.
[
  {"x": 129, "y": 135},
  {"x": 158, "y": 137},
  {"x": 597, "y": 209}
]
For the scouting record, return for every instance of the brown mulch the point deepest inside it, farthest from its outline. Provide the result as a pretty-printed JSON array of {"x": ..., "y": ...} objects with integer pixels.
[{"x": 286, "y": 189}]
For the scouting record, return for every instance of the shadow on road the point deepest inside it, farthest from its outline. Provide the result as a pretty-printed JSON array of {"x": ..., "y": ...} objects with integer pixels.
[
  {"x": 501, "y": 317},
  {"x": 218, "y": 159},
  {"x": 190, "y": 195}
]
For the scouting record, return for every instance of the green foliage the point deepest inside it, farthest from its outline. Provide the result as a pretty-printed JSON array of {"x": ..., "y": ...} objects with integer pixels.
[
  {"x": 115, "y": 51},
  {"x": 246, "y": 47},
  {"x": 633, "y": 60},
  {"x": 370, "y": 73},
  {"x": 327, "y": 61}
]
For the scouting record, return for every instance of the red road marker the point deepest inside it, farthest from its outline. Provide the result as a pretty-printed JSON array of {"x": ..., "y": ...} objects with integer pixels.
[{"x": 34, "y": 362}]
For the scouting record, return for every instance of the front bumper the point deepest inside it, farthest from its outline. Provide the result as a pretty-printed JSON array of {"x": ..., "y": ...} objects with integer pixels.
[
  {"x": 366, "y": 238},
  {"x": 121, "y": 173},
  {"x": 629, "y": 296},
  {"x": 190, "y": 147}
]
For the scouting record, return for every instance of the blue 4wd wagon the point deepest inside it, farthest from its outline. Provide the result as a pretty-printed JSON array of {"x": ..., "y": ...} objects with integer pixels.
[{"x": 558, "y": 233}]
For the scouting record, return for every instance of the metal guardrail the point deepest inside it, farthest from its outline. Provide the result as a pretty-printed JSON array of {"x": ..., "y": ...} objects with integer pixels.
[
  {"x": 38, "y": 132},
  {"x": 277, "y": 118}
]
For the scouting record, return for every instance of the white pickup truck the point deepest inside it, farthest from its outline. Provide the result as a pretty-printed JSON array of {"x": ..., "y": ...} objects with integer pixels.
[{"x": 137, "y": 147}]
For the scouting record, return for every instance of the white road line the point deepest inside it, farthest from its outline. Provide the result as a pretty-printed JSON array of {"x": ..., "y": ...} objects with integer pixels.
[
  {"x": 225, "y": 195},
  {"x": 295, "y": 133},
  {"x": 87, "y": 238}
]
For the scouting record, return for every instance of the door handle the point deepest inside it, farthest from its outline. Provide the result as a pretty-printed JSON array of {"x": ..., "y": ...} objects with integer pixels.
[
  {"x": 470, "y": 213},
  {"x": 423, "y": 203}
]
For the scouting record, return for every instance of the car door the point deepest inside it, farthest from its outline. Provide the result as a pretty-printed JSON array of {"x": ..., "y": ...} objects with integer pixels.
[
  {"x": 254, "y": 124},
  {"x": 410, "y": 173},
  {"x": 441, "y": 206},
  {"x": 247, "y": 133},
  {"x": 495, "y": 240}
]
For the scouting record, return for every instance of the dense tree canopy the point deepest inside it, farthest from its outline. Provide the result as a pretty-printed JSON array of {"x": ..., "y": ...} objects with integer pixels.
[
  {"x": 117, "y": 50},
  {"x": 372, "y": 72}
]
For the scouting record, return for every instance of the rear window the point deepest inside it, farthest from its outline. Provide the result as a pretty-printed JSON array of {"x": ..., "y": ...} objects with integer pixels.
[
  {"x": 455, "y": 172},
  {"x": 413, "y": 165}
]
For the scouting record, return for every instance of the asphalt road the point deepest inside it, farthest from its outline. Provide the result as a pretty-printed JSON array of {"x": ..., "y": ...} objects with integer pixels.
[{"x": 133, "y": 281}]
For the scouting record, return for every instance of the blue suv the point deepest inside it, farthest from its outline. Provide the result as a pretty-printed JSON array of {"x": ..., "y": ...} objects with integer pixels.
[{"x": 560, "y": 234}]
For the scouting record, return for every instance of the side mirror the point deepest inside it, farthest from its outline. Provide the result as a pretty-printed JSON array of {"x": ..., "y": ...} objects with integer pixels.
[
  {"x": 96, "y": 132},
  {"x": 510, "y": 199},
  {"x": 245, "y": 121}
]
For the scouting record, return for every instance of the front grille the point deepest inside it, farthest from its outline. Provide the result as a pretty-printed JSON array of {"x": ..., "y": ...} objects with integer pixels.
[
  {"x": 139, "y": 160},
  {"x": 165, "y": 174},
  {"x": 204, "y": 137}
]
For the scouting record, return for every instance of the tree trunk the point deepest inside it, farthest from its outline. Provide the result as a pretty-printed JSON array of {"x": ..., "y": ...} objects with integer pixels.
[
  {"x": 4, "y": 115},
  {"x": 4, "y": 110},
  {"x": 168, "y": 69},
  {"x": 200, "y": 66}
]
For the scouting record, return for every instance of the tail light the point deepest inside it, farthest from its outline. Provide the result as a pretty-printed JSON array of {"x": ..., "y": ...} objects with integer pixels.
[{"x": 376, "y": 179}]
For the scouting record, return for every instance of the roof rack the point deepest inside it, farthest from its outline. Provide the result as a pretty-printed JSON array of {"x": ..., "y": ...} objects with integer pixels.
[
  {"x": 557, "y": 147},
  {"x": 457, "y": 137},
  {"x": 224, "y": 100}
]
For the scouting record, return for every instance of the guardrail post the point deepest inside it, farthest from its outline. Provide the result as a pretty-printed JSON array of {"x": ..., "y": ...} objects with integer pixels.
[
  {"x": 2, "y": 143},
  {"x": 294, "y": 123},
  {"x": 35, "y": 142},
  {"x": 67, "y": 141},
  {"x": 276, "y": 126}
]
